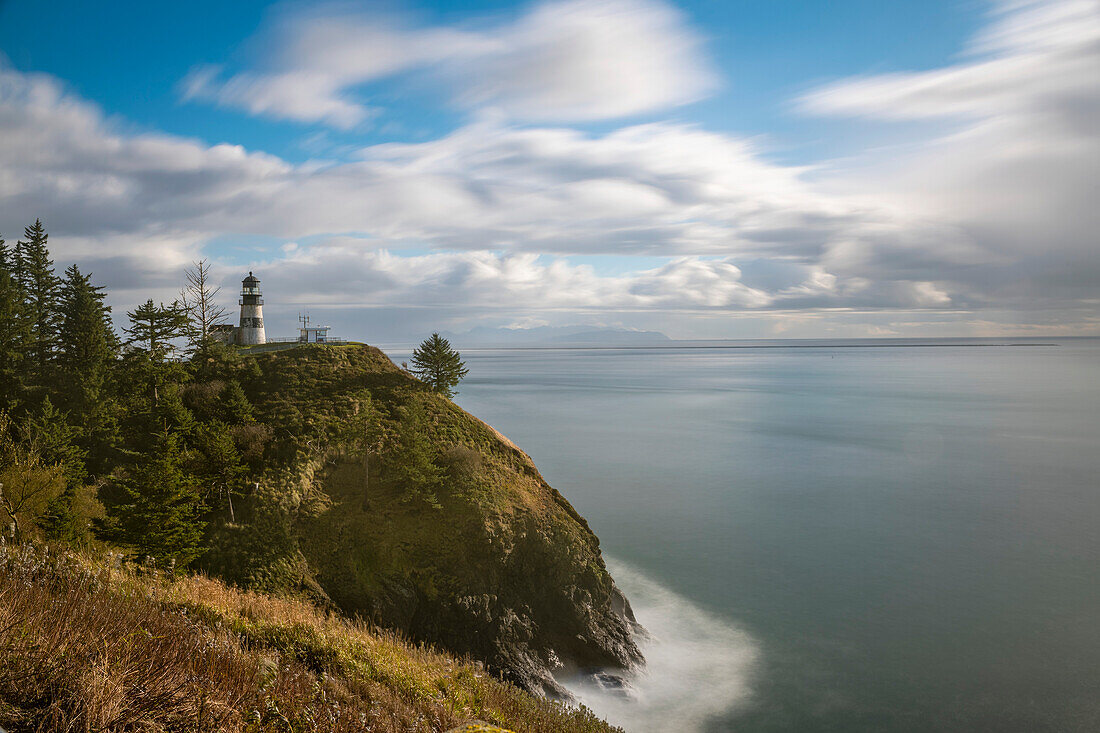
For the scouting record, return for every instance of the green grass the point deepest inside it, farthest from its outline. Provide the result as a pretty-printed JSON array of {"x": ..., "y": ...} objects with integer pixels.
[{"x": 287, "y": 345}]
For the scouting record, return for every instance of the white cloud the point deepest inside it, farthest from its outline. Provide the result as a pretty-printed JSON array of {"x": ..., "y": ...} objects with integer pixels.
[
  {"x": 653, "y": 189},
  {"x": 1036, "y": 56},
  {"x": 997, "y": 216},
  {"x": 293, "y": 95},
  {"x": 560, "y": 60},
  {"x": 1018, "y": 172},
  {"x": 342, "y": 273},
  {"x": 666, "y": 189}
]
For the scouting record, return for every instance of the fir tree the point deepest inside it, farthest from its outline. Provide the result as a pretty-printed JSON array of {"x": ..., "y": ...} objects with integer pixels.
[
  {"x": 49, "y": 433},
  {"x": 29, "y": 483},
  {"x": 157, "y": 509},
  {"x": 438, "y": 365},
  {"x": 410, "y": 459},
  {"x": 88, "y": 345},
  {"x": 172, "y": 415},
  {"x": 221, "y": 465},
  {"x": 88, "y": 349},
  {"x": 35, "y": 274},
  {"x": 52, "y": 437},
  {"x": 153, "y": 330},
  {"x": 234, "y": 406},
  {"x": 15, "y": 333}
]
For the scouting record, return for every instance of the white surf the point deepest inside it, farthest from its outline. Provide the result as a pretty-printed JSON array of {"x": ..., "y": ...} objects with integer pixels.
[{"x": 698, "y": 666}]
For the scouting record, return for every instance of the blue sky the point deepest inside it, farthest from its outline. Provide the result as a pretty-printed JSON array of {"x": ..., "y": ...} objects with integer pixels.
[
  {"x": 130, "y": 56},
  {"x": 713, "y": 169}
]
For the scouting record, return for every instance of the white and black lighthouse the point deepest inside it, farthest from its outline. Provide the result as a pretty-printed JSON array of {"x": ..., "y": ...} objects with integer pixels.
[{"x": 251, "y": 330}]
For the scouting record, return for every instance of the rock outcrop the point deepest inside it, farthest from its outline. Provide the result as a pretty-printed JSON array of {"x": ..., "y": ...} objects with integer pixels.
[{"x": 491, "y": 561}]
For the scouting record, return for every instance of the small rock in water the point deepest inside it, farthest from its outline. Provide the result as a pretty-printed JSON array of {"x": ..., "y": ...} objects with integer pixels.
[{"x": 613, "y": 684}]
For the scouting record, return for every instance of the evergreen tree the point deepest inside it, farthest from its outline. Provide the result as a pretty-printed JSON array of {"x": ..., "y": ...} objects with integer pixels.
[
  {"x": 35, "y": 274},
  {"x": 172, "y": 415},
  {"x": 157, "y": 509},
  {"x": 88, "y": 345},
  {"x": 409, "y": 461},
  {"x": 15, "y": 333},
  {"x": 50, "y": 434},
  {"x": 438, "y": 365},
  {"x": 69, "y": 516},
  {"x": 29, "y": 483},
  {"x": 88, "y": 350},
  {"x": 234, "y": 406},
  {"x": 221, "y": 465},
  {"x": 153, "y": 329}
]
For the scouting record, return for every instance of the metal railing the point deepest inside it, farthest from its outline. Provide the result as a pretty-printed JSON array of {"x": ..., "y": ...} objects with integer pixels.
[{"x": 296, "y": 339}]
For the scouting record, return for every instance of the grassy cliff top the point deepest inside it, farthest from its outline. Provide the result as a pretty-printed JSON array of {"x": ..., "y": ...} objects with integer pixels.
[
  {"x": 313, "y": 394},
  {"x": 394, "y": 504}
]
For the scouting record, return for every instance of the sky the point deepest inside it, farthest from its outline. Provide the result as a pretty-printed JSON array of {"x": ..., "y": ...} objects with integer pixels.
[{"x": 706, "y": 168}]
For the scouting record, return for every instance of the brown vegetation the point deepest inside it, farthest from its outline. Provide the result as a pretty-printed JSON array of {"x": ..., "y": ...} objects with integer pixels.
[{"x": 89, "y": 645}]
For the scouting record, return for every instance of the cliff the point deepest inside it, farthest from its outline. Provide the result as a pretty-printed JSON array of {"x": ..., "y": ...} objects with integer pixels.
[{"x": 393, "y": 504}]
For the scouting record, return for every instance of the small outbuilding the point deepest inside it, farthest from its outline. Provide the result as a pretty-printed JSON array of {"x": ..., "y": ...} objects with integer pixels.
[{"x": 308, "y": 334}]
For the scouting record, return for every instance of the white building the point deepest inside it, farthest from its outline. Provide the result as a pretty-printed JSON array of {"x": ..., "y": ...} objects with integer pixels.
[
  {"x": 251, "y": 329},
  {"x": 308, "y": 334},
  {"x": 251, "y": 332}
]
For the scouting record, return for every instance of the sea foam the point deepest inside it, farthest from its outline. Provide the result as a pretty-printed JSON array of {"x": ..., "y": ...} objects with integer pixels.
[{"x": 698, "y": 666}]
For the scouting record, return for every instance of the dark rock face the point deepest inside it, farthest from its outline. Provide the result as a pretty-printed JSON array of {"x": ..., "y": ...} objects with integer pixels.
[{"x": 527, "y": 595}]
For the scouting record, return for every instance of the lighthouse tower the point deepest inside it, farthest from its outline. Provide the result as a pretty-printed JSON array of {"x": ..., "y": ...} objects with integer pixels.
[{"x": 251, "y": 330}]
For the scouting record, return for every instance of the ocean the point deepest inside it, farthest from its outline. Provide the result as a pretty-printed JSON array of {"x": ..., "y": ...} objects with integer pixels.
[{"x": 832, "y": 536}]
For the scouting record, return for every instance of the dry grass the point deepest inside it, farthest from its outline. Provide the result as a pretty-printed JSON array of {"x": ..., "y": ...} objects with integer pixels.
[{"x": 87, "y": 646}]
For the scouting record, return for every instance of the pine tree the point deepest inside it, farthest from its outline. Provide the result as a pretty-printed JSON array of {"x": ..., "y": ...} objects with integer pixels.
[
  {"x": 157, "y": 509},
  {"x": 88, "y": 349},
  {"x": 15, "y": 333},
  {"x": 57, "y": 441},
  {"x": 234, "y": 407},
  {"x": 35, "y": 274},
  {"x": 438, "y": 365},
  {"x": 221, "y": 465},
  {"x": 409, "y": 461},
  {"x": 154, "y": 328}
]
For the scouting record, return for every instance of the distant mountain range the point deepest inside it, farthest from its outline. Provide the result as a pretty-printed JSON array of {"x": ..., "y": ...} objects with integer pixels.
[{"x": 555, "y": 336}]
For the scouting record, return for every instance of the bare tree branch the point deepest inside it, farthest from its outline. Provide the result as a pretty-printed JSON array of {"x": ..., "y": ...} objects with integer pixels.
[{"x": 198, "y": 298}]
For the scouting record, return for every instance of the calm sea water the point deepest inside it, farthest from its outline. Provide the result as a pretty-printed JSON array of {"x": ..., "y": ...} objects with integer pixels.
[{"x": 831, "y": 537}]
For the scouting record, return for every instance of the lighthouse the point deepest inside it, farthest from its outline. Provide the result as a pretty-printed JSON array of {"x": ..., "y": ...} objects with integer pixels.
[{"x": 251, "y": 330}]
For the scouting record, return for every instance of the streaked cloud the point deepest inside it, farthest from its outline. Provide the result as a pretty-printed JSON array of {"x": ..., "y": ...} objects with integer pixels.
[
  {"x": 1018, "y": 169},
  {"x": 703, "y": 201},
  {"x": 561, "y": 60},
  {"x": 997, "y": 215},
  {"x": 1036, "y": 56}
]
